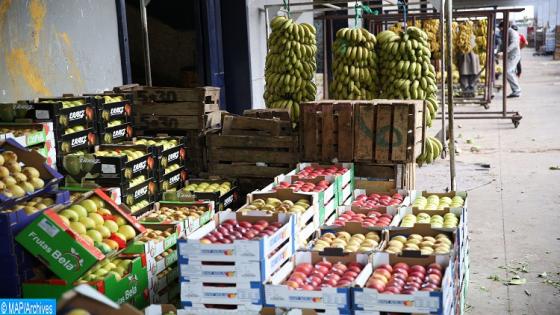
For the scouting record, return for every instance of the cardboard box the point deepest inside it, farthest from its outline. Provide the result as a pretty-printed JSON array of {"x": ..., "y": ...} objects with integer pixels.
[
  {"x": 156, "y": 309},
  {"x": 277, "y": 294},
  {"x": 38, "y": 133},
  {"x": 118, "y": 170},
  {"x": 228, "y": 200},
  {"x": 190, "y": 224},
  {"x": 326, "y": 200},
  {"x": 14, "y": 221},
  {"x": 85, "y": 297},
  {"x": 83, "y": 140},
  {"x": 64, "y": 252},
  {"x": 463, "y": 194},
  {"x": 202, "y": 309},
  {"x": 395, "y": 212},
  {"x": 238, "y": 272},
  {"x": 173, "y": 180},
  {"x": 161, "y": 282},
  {"x": 306, "y": 223},
  {"x": 116, "y": 134},
  {"x": 456, "y": 211},
  {"x": 155, "y": 247},
  {"x": 31, "y": 158},
  {"x": 366, "y": 299},
  {"x": 423, "y": 229},
  {"x": 169, "y": 156},
  {"x": 406, "y": 198},
  {"x": 342, "y": 182},
  {"x": 132, "y": 288},
  {"x": 208, "y": 293},
  {"x": 239, "y": 250},
  {"x": 352, "y": 228}
]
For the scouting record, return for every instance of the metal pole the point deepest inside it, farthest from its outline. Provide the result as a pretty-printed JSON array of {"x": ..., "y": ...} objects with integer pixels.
[
  {"x": 442, "y": 69},
  {"x": 449, "y": 5},
  {"x": 145, "y": 41},
  {"x": 505, "y": 39},
  {"x": 325, "y": 63}
]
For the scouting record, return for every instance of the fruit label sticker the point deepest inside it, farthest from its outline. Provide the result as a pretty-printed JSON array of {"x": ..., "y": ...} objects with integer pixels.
[
  {"x": 119, "y": 133},
  {"x": 35, "y": 138},
  {"x": 78, "y": 141},
  {"x": 172, "y": 156},
  {"x": 49, "y": 227},
  {"x": 42, "y": 114},
  {"x": 116, "y": 111},
  {"x": 77, "y": 115}
]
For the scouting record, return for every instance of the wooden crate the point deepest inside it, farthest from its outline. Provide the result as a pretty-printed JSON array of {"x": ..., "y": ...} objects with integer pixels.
[
  {"x": 251, "y": 156},
  {"x": 385, "y": 176},
  {"x": 241, "y": 125},
  {"x": 268, "y": 113},
  {"x": 388, "y": 131},
  {"x": 326, "y": 131},
  {"x": 172, "y": 108}
]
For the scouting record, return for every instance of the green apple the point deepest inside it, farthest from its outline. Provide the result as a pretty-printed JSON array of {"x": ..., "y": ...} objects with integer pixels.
[
  {"x": 95, "y": 235},
  {"x": 78, "y": 227},
  {"x": 89, "y": 205},
  {"x": 101, "y": 272},
  {"x": 65, "y": 220},
  {"x": 120, "y": 221},
  {"x": 97, "y": 218},
  {"x": 87, "y": 222},
  {"x": 125, "y": 263},
  {"x": 116, "y": 274},
  {"x": 120, "y": 270},
  {"x": 111, "y": 225},
  {"x": 105, "y": 232},
  {"x": 110, "y": 266},
  {"x": 69, "y": 214},
  {"x": 81, "y": 211},
  {"x": 128, "y": 231}
]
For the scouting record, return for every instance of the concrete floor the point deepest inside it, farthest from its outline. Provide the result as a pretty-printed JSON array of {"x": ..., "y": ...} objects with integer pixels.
[{"x": 514, "y": 213}]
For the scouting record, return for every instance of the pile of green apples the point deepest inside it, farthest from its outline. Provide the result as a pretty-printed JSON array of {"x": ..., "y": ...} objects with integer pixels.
[
  {"x": 110, "y": 99},
  {"x": 166, "y": 143},
  {"x": 97, "y": 225},
  {"x": 448, "y": 221},
  {"x": 223, "y": 188},
  {"x": 114, "y": 123},
  {"x": 119, "y": 267},
  {"x": 434, "y": 202},
  {"x": 74, "y": 129},
  {"x": 130, "y": 154},
  {"x": 67, "y": 104}
]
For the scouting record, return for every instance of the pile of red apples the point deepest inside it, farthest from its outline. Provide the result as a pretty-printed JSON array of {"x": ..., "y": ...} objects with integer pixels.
[
  {"x": 231, "y": 230},
  {"x": 305, "y": 186},
  {"x": 311, "y": 172},
  {"x": 371, "y": 219},
  {"x": 374, "y": 201},
  {"x": 401, "y": 278},
  {"x": 323, "y": 274}
]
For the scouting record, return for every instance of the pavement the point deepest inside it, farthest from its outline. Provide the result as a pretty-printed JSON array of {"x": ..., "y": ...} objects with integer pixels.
[{"x": 514, "y": 196}]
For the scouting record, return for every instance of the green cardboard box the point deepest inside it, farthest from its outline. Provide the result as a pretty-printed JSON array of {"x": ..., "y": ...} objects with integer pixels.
[
  {"x": 63, "y": 251},
  {"x": 132, "y": 288}
]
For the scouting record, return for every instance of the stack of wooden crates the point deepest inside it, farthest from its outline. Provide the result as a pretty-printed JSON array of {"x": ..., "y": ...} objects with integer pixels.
[
  {"x": 178, "y": 112},
  {"x": 253, "y": 148},
  {"x": 382, "y": 137}
]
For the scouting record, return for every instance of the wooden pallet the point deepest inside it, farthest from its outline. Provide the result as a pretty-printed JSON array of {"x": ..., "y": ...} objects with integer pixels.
[
  {"x": 172, "y": 108},
  {"x": 388, "y": 131},
  {"x": 240, "y": 125},
  {"x": 238, "y": 155},
  {"x": 326, "y": 131},
  {"x": 385, "y": 177}
]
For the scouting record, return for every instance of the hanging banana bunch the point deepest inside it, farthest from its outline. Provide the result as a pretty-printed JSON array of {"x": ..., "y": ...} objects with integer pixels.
[
  {"x": 480, "y": 33},
  {"x": 354, "y": 65},
  {"x": 463, "y": 37},
  {"x": 290, "y": 65},
  {"x": 432, "y": 150},
  {"x": 431, "y": 27}
]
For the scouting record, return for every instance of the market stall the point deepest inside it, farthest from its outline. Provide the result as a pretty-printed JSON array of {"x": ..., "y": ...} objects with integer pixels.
[{"x": 160, "y": 201}]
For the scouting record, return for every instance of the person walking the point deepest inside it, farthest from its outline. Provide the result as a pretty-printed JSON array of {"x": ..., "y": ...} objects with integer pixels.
[
  {"x": 514, "y": 56},
  {"x": 522, "y": 44}
]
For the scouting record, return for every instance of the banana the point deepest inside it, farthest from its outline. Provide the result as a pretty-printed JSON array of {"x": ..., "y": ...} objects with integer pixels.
[
  {"x": 290, "y": 65},
  {"x": 354, "y": 64}
]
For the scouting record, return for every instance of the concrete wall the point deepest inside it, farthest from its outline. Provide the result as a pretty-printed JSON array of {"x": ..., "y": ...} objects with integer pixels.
[
  {"x": 50, "y": 47},
  {"x": 257, "y": 42}
]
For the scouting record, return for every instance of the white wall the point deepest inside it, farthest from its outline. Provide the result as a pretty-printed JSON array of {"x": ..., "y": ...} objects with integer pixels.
[
  {"x": 257, "y": 41},
  {"x": 51, "y": 47}
]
